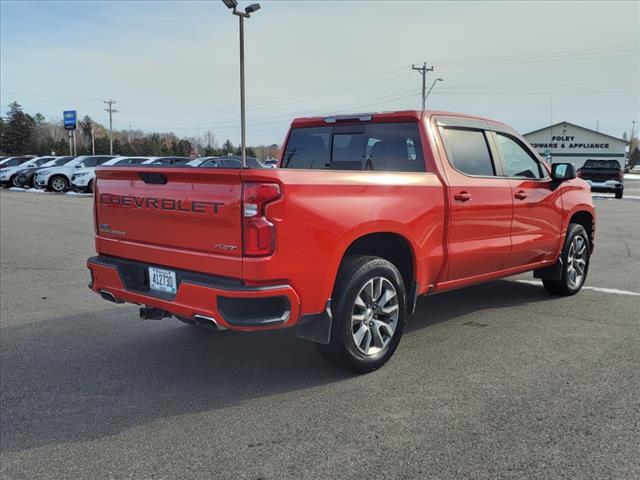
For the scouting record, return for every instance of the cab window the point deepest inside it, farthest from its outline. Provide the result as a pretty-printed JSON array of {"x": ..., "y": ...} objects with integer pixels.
[
  {"x": 517, "y": 161},
  {"x": 469, "y": 152}
]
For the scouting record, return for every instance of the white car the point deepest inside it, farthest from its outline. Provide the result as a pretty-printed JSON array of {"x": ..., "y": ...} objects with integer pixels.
[
  {"x": 82, "y": 178},
  {"x": 8, "y": 174},
  {"x": 7, "y": 162},
  {"x": 58, "y": 179}
]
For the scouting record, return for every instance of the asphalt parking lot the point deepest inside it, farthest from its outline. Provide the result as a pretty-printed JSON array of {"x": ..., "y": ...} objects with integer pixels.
[{"x": 495, "y": 381}]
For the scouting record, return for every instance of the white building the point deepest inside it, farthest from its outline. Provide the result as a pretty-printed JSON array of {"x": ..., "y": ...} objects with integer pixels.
[{"x": 567, "y": 142}]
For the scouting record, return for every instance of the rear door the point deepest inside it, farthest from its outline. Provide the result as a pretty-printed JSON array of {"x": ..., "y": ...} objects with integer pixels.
[
  {"x": 480, "y": 202},
  {"x": 537, "y": 209}
]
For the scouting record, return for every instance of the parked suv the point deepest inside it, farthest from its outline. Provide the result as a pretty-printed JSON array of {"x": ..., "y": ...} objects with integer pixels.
[
  {"x": 224, "y": 162},
  {"x": 58, "y": 179},
  {"x": 24, "y": 177},
  {"x": 8, "y": 162},
  {"x": 82, "y": 179},
  {"x": 8, "y": 175},
  {"x": 365, "y": 213}
]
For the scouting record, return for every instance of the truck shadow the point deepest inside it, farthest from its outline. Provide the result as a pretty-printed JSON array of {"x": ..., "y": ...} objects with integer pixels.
[
  {"x": 498, "y": 294},
  {"x": 85, "y": 377}
]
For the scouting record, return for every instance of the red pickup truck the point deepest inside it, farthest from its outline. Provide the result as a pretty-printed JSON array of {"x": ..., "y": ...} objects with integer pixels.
[{"x": 364, "y": 214}]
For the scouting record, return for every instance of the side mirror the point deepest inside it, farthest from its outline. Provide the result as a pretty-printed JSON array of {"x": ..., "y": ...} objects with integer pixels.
[{"x": 561, "y": 172}]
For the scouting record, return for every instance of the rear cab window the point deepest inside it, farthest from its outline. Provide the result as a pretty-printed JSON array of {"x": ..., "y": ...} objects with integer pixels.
[
  {"x": 385, "y": 147},
  {"x": 468, "y": 151}
]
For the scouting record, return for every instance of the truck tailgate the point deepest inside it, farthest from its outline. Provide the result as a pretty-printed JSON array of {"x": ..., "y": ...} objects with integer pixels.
[{"x": 150, "y": 213}]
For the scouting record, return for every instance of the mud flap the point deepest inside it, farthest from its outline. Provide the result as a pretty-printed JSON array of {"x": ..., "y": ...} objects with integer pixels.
[
  {"x": 554, "y": 272},
  {"x": 316, "y": 327}
]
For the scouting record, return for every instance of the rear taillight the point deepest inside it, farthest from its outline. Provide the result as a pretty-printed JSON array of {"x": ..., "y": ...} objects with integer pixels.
[
  {"x": 620, "y": 175},
  {"x": 259, "y": 234}
]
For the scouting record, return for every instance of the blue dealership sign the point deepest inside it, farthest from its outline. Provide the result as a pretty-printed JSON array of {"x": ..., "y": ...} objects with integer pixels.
[{"x": 70, "y": 119}]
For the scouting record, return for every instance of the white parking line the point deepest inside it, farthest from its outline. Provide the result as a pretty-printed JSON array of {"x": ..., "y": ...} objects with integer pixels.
[{"x": 615, "y": 291}]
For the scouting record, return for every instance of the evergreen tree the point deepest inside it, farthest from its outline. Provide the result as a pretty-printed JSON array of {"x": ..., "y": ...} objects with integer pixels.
[
  {"x": 18, "y": 131},
  {"x": 227, "y": 148}
]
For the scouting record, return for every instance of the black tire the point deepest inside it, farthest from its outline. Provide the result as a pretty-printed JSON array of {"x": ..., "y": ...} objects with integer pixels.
[
  {"x": 565, "y": 286},
  {"x": 355, "y": 274},
  {"x": 619, "y": 194},
  {"x": 90, "y": 187},
  {"x": 13, "y": 183},
  {"x": 58, "y": 184}
]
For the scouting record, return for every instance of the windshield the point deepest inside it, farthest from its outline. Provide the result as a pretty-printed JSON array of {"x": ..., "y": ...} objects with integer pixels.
[
  {"x": 113, "y": 161},
  {"x": 75, "y": 161},
  {"x": 41, "y": 161},
  {"x": 64, "y": 161},
  {"x": 12, "y": 162}
]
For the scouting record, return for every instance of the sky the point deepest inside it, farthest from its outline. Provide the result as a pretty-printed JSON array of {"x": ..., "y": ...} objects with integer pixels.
[{"x": 173, "y": 65}]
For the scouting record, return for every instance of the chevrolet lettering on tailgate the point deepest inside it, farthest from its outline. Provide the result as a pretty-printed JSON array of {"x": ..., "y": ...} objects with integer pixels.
[{"x": 130, "y": 201}]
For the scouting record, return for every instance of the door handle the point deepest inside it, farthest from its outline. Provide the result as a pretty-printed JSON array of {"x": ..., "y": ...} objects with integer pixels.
[
  {"x": 521, "y": 195},
  {"x": 462, "y": 196}
]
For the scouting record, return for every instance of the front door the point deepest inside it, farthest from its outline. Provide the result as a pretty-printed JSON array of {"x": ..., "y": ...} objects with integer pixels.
[
  {"x": 480, "y": 205},
  {"x": 537, "y": 209}
]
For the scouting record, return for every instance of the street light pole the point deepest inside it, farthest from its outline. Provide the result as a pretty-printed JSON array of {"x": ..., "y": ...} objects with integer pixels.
[
  {"x": 431, "y": 88},
  {"x": 254, "y": 7},
  {"x": 243, "y": 125}
]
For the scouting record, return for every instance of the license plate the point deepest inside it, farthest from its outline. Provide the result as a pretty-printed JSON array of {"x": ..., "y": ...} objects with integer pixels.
[{"x": 162, "y": 280}]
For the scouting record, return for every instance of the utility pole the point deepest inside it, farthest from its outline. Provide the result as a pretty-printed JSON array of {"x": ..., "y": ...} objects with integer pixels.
[
  {"x": 111, "y": 111},
  {"x": 93, "y": 138},
  {"x": 423, "y": 71}
]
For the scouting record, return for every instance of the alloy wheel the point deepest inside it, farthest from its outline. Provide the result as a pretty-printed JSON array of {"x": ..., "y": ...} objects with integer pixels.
[
  {"x": 58, "y": 184},
  {"x": 577, "y": 261},
  {"x": 374, "y": 316}
]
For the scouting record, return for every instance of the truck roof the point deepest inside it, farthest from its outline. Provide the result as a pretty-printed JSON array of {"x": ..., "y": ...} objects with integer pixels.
[{"x": 380, "y": 117}]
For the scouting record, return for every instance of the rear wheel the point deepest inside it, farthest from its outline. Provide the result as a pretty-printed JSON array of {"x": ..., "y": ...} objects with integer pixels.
[
  {"x": 369, "y": 311},
  {"x": 90, "y": 187},
  {"x": 619, "y": 194},
  {"x": 59, "y": 184},
  {"x": 575, "y": 259}
]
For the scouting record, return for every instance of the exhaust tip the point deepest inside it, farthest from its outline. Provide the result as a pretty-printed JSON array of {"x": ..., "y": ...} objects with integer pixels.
[
  {"x": 109, "y": 297},
  {"x": 207, "y": 322}
]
